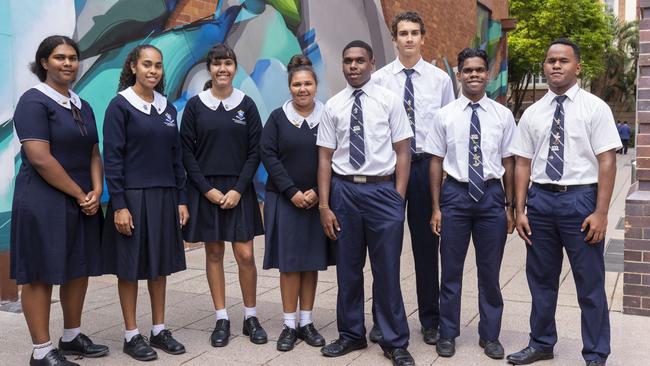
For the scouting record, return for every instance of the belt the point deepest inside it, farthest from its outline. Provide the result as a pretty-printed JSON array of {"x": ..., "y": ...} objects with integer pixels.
[
  {"x": 488, "y": 182},
  {"x": 420, "y": 156},
  {"x": 560, "y": 188},
  {"x": 360, "y": 179}
]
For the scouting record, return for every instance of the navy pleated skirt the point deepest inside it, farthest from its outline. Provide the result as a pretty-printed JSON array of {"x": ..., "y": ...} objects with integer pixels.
[
  {"x": 294, "y": 241},
  {"x": 52, "y": 241},
  {"x": 209, "y": 223},
  {"x": 156, "y": 246}
]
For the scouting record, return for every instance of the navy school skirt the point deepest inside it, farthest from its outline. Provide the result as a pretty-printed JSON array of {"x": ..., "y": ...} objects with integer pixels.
[
  {"x": 209, "y": 223},
  {"x": 156, "y": 246}
]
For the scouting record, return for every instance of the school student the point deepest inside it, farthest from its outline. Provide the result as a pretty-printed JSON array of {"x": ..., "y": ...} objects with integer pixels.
[
  {"x": 148, "y": 205},
  {"x": 220, "y": 132}
]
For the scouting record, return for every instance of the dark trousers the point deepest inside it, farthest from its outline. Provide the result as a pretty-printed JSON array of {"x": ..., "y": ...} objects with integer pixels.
[
  {"x": 371, "y": 217},
  {"x": 625, "y": 142},
  {"x": 485, "y": 222},
  {"x": 555, "y": 220}
]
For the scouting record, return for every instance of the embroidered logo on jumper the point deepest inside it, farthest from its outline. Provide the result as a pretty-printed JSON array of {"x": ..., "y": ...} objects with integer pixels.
[
  {"x": 169, "y": 120},
  {"x": 240, "y": 118}
]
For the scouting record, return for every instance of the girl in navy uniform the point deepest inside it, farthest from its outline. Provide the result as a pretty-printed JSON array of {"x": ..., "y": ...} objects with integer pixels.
[
  {"x": 295, "y": 241},
  {"x": 146, "y": 182},
  {"x": 55, "y": 218},
  {"x": 220, "y": 133}
]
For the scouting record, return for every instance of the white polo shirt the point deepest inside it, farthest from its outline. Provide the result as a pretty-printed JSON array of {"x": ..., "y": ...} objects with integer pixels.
[
  {"x": 432, "y": 87},
  {"x": 449, "y": 137},
  {"x": 384, "y": 120},
  {"x": 589, "y": 129}
]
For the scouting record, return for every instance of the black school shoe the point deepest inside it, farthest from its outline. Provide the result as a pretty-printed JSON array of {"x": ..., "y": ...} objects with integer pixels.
[
  {"x": 221, "y": 333},
  {"x": 166, "y": 342},
  {"x": 287, "y": 339},
  {"x": 340, "y": 347},
  {"x": 446, "y": 347},
  {"x": 399, "y": 357},
  {"x": 493, "y": 349},
  {"x": 310, "y": 335},
  {"x": 253, "y": 329},
  {"x": 52, "y": 358},
  {"x": 81, "y": 345},
  {"x": 528, "y": 355},
  {"x": 375, "y": 334},
  {"x": 139, "y": 349}
]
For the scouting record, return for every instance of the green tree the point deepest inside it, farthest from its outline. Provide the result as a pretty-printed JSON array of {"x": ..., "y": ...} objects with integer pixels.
[{"x": 539, "y": 22}]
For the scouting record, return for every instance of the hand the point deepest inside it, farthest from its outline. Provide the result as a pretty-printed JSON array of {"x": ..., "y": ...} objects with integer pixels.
[
  {"x": 597, "y": 224},
  {"x": 183, "y": 214},
  {"x": 436, "y": 221},
  {"x": 215, "y": 196},
  {"x": 230, "y": 199},
  {"x": 299, "y": 200},
  {"x": 124, "y": 222},
  {"x": 91, "y": 203},
  {"x": 510, "y": 217},
  {"x": 329, "y": 222},
  {"x": 312, "y": 197},
  {"x": 523, "y": 228}
]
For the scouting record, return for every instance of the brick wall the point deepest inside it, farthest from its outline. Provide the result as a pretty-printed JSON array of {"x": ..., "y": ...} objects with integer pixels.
[{"x": 191, "y": 10}]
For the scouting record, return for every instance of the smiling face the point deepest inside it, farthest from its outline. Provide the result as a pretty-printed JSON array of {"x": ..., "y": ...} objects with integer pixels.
[
  {"x": 303, "y": 88},
  {"x": 148, "y": 68},
  {"x": 561, "y": 68},
  {"x": 61, "y": 65},
  {"x": 408, "y": 39},
  {"x": 357, "y": 66},
  {"x": 222, "y": 72},
  {"x": 473, "y": 78}
]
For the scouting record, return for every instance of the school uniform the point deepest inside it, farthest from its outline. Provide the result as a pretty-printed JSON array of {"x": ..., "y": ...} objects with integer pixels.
[
  {"x": 144, "y": 174},
  {"x": 562, "y": 135},
  {"x": 473, "y": 138},
  {"x": 361, "y": 126},
  {"x": 294, "y": 238},
  {"x": 52, "y": 240},
  {"x": 425, "y": 89},
  {"x": 221, "y": 150}
]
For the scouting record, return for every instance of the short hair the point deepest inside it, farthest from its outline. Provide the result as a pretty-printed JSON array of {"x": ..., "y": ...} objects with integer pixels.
[
  {"x": 567, "y": 42},
  {"x": 45, "y": 49},
  {"x": 219, "y": 52},
  {"x": 360, "y": 44},
  {"x": 469, "y": 53},
  {"x": 300, "y": 63},
  {"x": 127, "y": 77},
  {"x": 407, "y": 16}
]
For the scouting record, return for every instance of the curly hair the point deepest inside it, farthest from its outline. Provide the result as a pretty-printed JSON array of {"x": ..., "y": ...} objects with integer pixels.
[
  {"x": 127, "y": 77},
  {"x": 407, "y": 16},
  {"x": 45, "y": 49}
]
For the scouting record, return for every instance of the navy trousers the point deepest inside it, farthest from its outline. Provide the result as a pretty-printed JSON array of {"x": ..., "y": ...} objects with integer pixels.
[
  {"x": 555, "y": 220},
  {"x": 485, "y": 221},
  {"x": 371, "y": 217}
]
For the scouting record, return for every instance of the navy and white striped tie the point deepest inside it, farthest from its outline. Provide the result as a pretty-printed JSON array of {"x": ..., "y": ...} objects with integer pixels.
[
  {"x": 475, "y": 162},
  {"x": 357, "y": 146},
  {"x": 409, "y": 104},
  {"x": 555, "y": 161}
]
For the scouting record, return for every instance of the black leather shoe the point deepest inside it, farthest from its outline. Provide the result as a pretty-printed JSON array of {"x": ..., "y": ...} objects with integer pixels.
[
  {"x": 52, "y": 358},
  {"x": 493, "y": 349},
  {"x": 221, "y": 333},
  {"x": 342, "y": 347},
  {"x": 310, "y": 335},
  {"x": 375, "y": 334},
  {"x": 81, "y": 345},
  {"x": 254, "y": 330},
  {"x": 430, "y": 335},
  {"x": 528, "y": 355},
  {"x": 446, "y": 347},
  {"x": 287, "y": 339},
  {"x": 139, "y": 349},
  {"x": 166, "y": 342},
  {"x": 400, "y": 357},
  {"x": 596, "y": 363}
]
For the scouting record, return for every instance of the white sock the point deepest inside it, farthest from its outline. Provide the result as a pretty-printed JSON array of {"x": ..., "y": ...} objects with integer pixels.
[
  {"x": 70, "y": 334},
  {"x": 41, "y": 350},
  {"x": 222, "y": 314},
  {"x": 128, "y": 334},
  {"x": 248, "y": 312},
  {"x": 157, "y": 328},
  {"x": 290, "y": 320},
  {"x": 305, "y": 317}
]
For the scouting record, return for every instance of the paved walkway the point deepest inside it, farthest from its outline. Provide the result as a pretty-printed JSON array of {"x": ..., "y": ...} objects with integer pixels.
[{"x": 190, "y": 314}]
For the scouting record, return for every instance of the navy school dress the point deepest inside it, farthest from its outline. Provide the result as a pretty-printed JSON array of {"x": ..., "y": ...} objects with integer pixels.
[
  {"x": 52, "y": 240},
  {"x": 144, "y": 173},
  {"x": 295, "y": 241},
  {"x": 221, "y": 150}
]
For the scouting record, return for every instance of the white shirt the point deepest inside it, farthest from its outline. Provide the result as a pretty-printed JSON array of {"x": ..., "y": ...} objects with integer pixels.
[
  {"x": 297, "y": 120},
  {"x": 384, "y": 121},
  {"x": 432, "y": 88},
  {"x": 449, "y": 137},
  {"x": 212, "y": 102},
  {"x": 159, "y": 101},
  {"x": 61, "y": 99},
  {"x": 589, "y": 130}
]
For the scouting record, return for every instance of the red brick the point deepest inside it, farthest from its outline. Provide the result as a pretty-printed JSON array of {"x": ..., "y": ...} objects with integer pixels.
[
  {"x": 631, "y": 301},
  {"x": 644, "y": 162},
  {"x": 644, "y": 36},
  {"x": 645, "y": 303},
  {"x": 635, "y": 209},
  {"x": 644, "y": 60},
  {"x": 646, "y": 233},
  {"x": 645, "y": 279},
  {"x": 632, "y": 278},
  {"x": 637, "y": 244},
  {"x": 632, "y": 256},
  {"x": 642, "y": 174},
  {"x": 644, "y": 127},
  {"x": 637, "y": 267},
  {"x": 634, "y": 233},
  {"x": 643, "y": 139},
  {"x": 636, "y": 290},
  {"x": 643, "y": 151},
  {"x": 638, "y": 221},
  {"x": 646, "y": 257},
  {"x": 636, "y": 311}
]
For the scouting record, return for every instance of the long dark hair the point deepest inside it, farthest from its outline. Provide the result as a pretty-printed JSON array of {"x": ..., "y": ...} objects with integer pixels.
[
  {"x": 219, "y": 52},
  {"x": 44, "y": 51},
  {"x": 127, "y": 77}
]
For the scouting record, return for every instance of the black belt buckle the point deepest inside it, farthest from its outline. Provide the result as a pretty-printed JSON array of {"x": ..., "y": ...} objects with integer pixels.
[{"x": 561, "y": 189}]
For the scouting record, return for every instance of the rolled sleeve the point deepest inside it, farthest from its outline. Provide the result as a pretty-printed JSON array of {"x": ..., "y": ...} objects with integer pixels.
[{"x": 327, "y": 129}]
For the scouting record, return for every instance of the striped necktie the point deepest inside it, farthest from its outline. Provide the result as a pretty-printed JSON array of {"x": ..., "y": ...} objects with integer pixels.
[
  {"x": 475, "y": 163},
  {"x": 357, "y": 146},
  {"x": 409, "y": 104},
  {"x": 555, "y": 161}
]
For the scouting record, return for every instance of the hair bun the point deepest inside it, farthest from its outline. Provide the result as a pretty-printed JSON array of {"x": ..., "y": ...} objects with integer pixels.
[{"x": 297, "y": 61}]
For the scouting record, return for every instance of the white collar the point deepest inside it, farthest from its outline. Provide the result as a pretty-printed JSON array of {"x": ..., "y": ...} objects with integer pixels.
[
  {"x": 571, "y": 94},
  {"x": 367, "y": 88},
  {"x": 399, "y": 67},
  {"x": 297, "y": 120},
  {"x": 229, "y": 103},
  {"x": 61, "y": 99},
  {"x": 465, "y": 102},
  {"x": 159, "y": 101}
]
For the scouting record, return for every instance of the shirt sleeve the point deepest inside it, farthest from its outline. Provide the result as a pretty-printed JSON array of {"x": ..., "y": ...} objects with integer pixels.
[
  {"x": 603, "y": 134},
  {"x": 188, "y": 139},
  {"x": 326, "y": 129},
  {"x": 508, "y": 132},
  {"x": 31, "y": 119},
  {"x": 254, "y": 125},
  {"x": 522, "y": 141},
  {"x": 269, "y": 149},
  {"x": 447, "y": 92},
  {"x": 179, "y": 170},
  {"x": 436, "y": 140},
  {"x": 114, "y": 151},
  {"x": 400, "y": 127}
]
